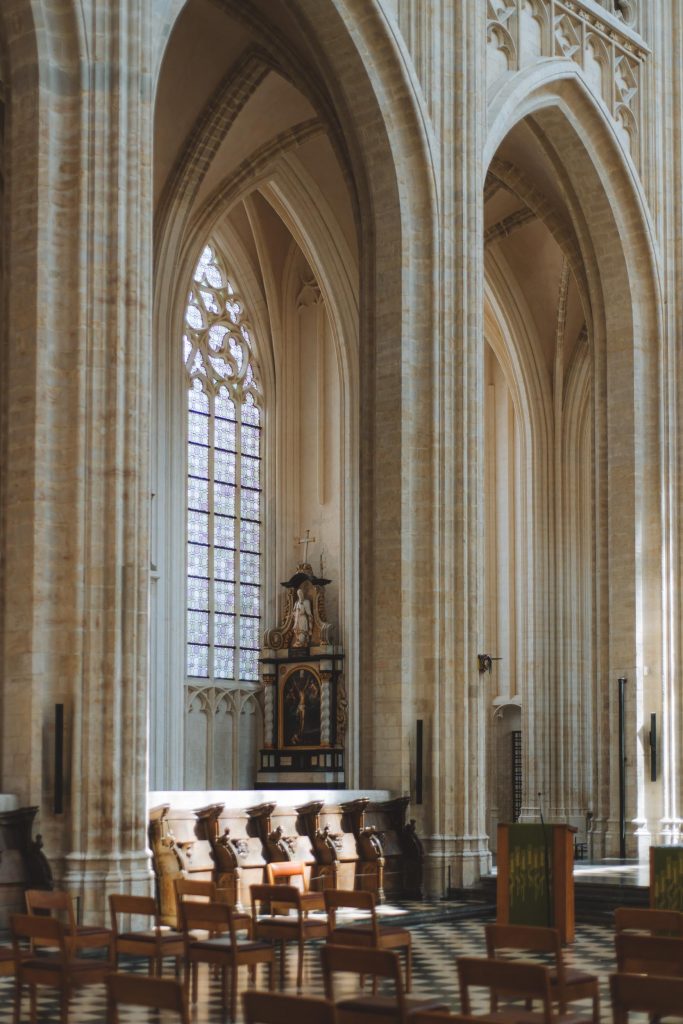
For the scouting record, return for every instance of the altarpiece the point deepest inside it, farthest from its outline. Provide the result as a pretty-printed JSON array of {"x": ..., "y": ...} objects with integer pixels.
[{"x": 304, "y": 695}]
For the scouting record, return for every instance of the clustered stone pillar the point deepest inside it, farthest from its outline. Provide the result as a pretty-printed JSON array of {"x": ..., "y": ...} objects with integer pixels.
[{"x": 76, "y": 394}]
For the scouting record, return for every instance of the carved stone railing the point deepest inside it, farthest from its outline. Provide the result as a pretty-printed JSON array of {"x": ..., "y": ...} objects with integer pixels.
[{"x": 600, "y": 37}]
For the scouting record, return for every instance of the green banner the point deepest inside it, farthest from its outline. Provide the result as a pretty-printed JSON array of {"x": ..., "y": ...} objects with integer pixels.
[
  {"x": 531, "y": 881},
  {"x": 667, "y": 877}
]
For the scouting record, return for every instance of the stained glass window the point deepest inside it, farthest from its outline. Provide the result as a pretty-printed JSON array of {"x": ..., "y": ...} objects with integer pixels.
[{"x": 223, "y": 556}]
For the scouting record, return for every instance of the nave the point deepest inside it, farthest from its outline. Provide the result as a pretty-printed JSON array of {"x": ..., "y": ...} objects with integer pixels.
[{"x": 436, "y": 945}]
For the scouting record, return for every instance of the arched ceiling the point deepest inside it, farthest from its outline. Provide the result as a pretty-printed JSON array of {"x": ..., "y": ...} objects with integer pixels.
[
  {"x": 226, "y": 97},
  {"x": 529, "y": 235}
]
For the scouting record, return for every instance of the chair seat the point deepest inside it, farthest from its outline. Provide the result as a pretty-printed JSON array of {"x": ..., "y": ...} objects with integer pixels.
[
  {"x": 92, "y": 931},
  {"x": 151, "y": 935},
  {"x": 516, "y": 1015},
  {"x": 385, "y": 1006},
  {"x": 287, "y": 924},
  {"x": 221, "y": 944},
  {"x": 54, "y": 962},
  {"x": 573, "y": 976},
  {"x": 388, "y": 931}
]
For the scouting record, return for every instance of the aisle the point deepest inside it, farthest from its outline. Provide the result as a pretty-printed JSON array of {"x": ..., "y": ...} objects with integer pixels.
[{"x": 436, "y": 946}]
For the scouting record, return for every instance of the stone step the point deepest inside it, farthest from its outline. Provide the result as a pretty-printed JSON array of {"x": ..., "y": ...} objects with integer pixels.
[{"x": 595, "y": 902}]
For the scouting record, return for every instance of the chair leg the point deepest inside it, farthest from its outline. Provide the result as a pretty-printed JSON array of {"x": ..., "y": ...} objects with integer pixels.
[
  {"x": 300, "y": 968},
  {"x": 271, "y": 972},
  {"x": 64, "y": 1005},
  {"x": 409, "y": 968},
  {"x": 150, "y": 968},
  {"x": 283, "y": 946},
  {"x": 224, "y": 986},
  {"x": 18, "y": 987},
  {"x": 32, "y": 999},
  {"x": 195, "y": 969},
  {"x": 233, "y": 990},
  {"x": 112, "y": 1012}
]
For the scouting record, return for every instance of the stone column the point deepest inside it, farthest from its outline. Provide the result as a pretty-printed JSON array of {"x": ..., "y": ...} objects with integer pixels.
[
  {"x": 77, "y": 392},
  {"x": 457, "y": 848},
  {"x": 108, "y": 827}
]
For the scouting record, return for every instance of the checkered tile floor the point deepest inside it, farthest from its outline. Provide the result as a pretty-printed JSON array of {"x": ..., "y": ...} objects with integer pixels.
[{"x": 435, "y": 948}]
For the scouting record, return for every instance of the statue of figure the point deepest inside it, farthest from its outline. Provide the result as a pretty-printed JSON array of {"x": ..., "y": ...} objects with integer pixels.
[{"x": 302, "y": 621}]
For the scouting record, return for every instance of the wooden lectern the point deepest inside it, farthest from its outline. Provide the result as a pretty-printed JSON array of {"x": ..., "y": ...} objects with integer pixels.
[
  {"x": 536, "y": 876},
  {"x": 666, "y": 877}
]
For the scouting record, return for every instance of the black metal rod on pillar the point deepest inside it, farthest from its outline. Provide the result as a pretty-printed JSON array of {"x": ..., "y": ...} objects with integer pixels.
[
  {"x": 418, "y": 761},
  {"x": 59, "y": 759},
  {"x": 622, "y": 768},
  {"x": 653, "y": 747}
]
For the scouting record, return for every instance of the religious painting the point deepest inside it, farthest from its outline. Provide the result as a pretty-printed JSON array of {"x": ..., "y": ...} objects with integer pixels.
[{"x": 300, "y": 709}]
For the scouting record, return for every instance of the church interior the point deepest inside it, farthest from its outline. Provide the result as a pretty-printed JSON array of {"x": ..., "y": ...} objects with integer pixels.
[{"x": 340, "y": 466}]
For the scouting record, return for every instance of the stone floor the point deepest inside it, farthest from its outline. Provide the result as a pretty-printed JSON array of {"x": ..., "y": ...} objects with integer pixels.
[{"x": 437, "y": 944}]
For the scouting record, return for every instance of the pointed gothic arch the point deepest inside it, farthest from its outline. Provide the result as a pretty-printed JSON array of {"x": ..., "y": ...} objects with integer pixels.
[{"x": 600, "y": 194}]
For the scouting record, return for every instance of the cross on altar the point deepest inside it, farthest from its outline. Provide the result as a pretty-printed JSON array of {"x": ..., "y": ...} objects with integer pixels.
[{"x": 305, "y": 541}]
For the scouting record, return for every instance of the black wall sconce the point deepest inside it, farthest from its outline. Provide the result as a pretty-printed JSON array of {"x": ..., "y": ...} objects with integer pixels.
[{"x": 486, "y": 663}]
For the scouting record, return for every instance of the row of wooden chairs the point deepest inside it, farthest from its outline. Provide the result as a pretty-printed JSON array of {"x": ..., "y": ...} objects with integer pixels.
[
  {"x": 629, "y": 993},
  {"x": 198, "y": 911}
]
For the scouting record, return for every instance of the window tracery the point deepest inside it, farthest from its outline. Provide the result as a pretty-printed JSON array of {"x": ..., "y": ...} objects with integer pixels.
[{"x": 223, "y": 480}]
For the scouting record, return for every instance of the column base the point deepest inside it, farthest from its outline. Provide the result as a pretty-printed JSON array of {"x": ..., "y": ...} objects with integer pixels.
[
  {"x": 455, "y": 862},
  {"x": 91, "y": 879}
]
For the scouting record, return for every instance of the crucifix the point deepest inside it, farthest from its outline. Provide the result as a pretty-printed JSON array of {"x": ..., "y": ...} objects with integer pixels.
[{"x": 305, "y": 541}]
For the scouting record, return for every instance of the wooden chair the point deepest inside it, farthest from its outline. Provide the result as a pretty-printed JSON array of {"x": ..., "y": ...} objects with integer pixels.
[
  {"x": 642, "y": 994},
  {"x": 137, "y": 990},
  {"x": 272, "y": 1008},
  {"x": 513, "y": 979},
  {"x": 567, "y": 984},
  {"x": 649, "y": 954},
  {"x": 363, "y": 1008},
  {"x": 283, "y": 926},
  {"x": 290, "y": 872},
  {"x": 648, "y": 919},
  {"x": 58, "y": 968},
  {"x": 154, "y": 943},
  {"x": 221, "y": 948},
  {"x": 365, "y": 933},
  {"x": 206, "y": 891},
  {"x": 56, "y": 903},
  {"x": 6, "y": 961}
]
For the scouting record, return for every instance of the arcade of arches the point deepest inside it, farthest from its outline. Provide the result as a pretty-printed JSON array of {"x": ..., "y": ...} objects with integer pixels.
[{"x": 445, "y": 240}]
